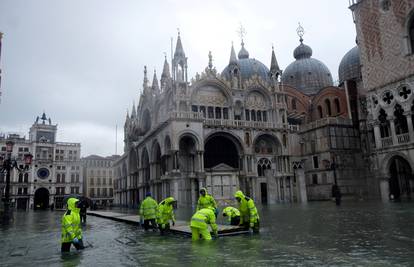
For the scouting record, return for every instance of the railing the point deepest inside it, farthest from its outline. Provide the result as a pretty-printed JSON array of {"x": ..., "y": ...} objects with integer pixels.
[
  {"x": 386, "y": 141},
  {"x": 325, "y": 121},
  {"x": 232, "y": 123},
  {"x": 403, "y": 138}
]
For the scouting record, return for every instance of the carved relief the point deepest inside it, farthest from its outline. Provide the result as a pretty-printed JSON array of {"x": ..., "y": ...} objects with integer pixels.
[
  {"x": 255, "y": 100},
  {"x": 210, "y": 96}
]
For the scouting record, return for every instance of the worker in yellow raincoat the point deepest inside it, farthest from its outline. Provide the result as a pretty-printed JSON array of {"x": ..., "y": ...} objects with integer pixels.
[
  {"x": 249, "y": 217},
  {"x": 199, "y": 224},
  {"x": 71, "y": 226},
  {"x": 166, "y": 214}
]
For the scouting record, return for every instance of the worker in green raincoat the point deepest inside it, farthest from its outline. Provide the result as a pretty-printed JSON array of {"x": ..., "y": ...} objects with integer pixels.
[
  {"x": 199, "y": 224},
  {"x": 166, "y": 214},
  {"x": 249, "y": 217},
  {"x": 71, "y": 226},
  {"x": 205, "y": 200},
  {"x": 148, "y": 212},
  {"x": 232, "y": 214}
]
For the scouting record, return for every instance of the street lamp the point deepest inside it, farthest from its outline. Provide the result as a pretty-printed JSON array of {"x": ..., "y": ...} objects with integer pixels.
[{"x": 6, "y": 166}]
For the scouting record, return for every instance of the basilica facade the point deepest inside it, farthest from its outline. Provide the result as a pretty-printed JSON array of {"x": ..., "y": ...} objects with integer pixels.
[{"x": 278, "y": 135}]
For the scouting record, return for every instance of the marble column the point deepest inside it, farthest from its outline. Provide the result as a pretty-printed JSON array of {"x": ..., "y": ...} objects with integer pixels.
[
  {"x": 410, "y": 126},
  {"x": 393, "y": 133},
  {"x": 377, "y": 135},
  {"x": 301, "y": 182}
]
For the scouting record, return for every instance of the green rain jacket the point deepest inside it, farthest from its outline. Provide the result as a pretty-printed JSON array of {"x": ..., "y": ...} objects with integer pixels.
[
  {"x": 165, "y": 211},
  {"x": 202, "y": 218},
  {"x": 206, "y": 201},
  {"x": 231, "y": 212},
  {"x": 148, "y": 209},
  {"x": 248, "y": 211},
  {"x": 71, "y": 222}
]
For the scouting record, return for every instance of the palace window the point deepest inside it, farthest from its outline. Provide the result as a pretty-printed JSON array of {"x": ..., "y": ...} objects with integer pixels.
[{"x": 411, "y": 33}]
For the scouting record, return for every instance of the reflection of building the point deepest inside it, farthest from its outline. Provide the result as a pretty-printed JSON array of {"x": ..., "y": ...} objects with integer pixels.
[
  {"x": 246, "y": 127},
  {"x": 55, "y": 172},
  {"x": 98, "y": 178}
]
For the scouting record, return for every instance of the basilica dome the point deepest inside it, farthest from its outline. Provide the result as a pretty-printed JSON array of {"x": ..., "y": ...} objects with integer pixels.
[
  {"x": 350, "y": 66},
  {"x": 248, "y": 66},
  {"x": 307, "y": 74}
]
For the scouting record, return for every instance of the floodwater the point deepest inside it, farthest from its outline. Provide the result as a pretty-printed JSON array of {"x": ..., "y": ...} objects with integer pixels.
[{"x": 314, "y": 234}]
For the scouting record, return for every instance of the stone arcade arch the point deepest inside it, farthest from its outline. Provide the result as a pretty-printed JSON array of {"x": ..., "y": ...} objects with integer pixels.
[
  {"x": 41, "y": 199},
  {"x": 222, "y": 160},
  {"x": 146, "y": 174},
  {"x": 187, "y": 162},
  {"x": 156, "y": 170},
  {"x": 401, "y": 182},
  {"x": 133, "y": 174}
]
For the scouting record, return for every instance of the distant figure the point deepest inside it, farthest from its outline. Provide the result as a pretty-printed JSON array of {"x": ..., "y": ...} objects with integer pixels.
[
  {"x": 199, "y": 224},
  {"x": 148, "y": 212},
  {"x": 232, "y": 214},
  {"x": 71, "y": 229},
  {"x": 166, "y": 214},
  {"x": 83, "y": 208},
  {"x": 249, "y": 217},
  {"x": 52, "y": 206},
  {"x": 336, "y": 193}
]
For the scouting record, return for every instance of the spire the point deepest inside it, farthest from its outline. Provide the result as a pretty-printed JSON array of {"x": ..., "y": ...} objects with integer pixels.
[
  {"x": 133, "y": 112},
  {"x": 155, "y": 86},
  {"x": 273, "y": 63},
  {"x": 166, "y": 70},
  {"x": 127, "y": 115},
  {"x": 179, "y": 51},
  {"x": 210, "y": 60},
  {"x": 145, "y": 84},
  {"x": 233, "y": 59}
]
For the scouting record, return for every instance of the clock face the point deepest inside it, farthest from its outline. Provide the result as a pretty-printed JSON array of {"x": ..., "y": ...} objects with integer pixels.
[{"x": 43, "y": 173}]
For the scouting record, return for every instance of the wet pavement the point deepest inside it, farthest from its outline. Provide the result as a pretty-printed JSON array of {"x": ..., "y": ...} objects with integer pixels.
[{"x": 316, "y": 234}]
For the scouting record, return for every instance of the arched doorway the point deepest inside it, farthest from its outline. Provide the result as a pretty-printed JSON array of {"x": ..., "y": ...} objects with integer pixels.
[
  {"x": 41, "y": 199},
  {"x": 401, "y": 181},
  {"x": 221, "y": 149},
  {"x": 222, "y": 163}
]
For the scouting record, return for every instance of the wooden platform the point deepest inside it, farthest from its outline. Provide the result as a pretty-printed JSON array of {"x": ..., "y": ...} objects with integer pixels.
[{"x": 181, "y": 227}]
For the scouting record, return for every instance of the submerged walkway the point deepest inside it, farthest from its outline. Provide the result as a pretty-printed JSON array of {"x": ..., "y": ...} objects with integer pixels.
[{"x": 181, "y": 227}]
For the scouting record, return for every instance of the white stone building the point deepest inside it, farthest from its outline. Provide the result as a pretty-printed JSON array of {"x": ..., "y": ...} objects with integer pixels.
[
  {"x": 56, "y": 170},
  {"x": 98, "y": 179}
]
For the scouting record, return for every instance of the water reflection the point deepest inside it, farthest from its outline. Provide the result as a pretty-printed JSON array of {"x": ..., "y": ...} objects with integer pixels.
[{"x": 358, "y": 233}]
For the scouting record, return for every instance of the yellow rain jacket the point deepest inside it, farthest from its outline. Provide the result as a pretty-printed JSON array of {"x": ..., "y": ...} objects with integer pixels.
[
  {"x": 71, "y": 222},
  {"x": 165, "y": 211},
  {"x": 248, "y": 211},
  {"x": 206, "y": 201},
  {"x": 148, "y": 209},
  {"x": 202, "y": 218},
  {"x": 231, "y": 212}
]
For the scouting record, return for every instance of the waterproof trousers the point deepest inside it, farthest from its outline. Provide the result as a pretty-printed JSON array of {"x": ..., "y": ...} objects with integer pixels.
[
  {"x": 66, "y": 246},
  {"x": 203, "y": 232}
]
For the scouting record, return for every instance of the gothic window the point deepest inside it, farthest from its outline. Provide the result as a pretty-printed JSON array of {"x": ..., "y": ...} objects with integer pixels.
[
  {"x": 384, "y": 124},
  {"x": 218, "y": 113},
  {"x": 259, "y": 115},
  {"x": 20, "y": 177},
  {"x": 194, "y": 108},
  {"x": 400, "y": 120},
  {"x": 247, "y": 138},
  {"x": 293, "y": 104},
  {"x": 253, "y": 113},
  {"x": 263, "y": 165},
  {"x": 328, "y": 107},
  {"x": 26, "y": 177},
  {"x": 314, "y": 179},
  {"x": 337, "y": 107},
  {"x": 203, "y": 110},
  {"x": 210, "y": 112},
  {"x": 264, "y": 116},
  {"x": 225, "y": 113},
  {"x": 247, "y": 115},
  {"x": 320, "y": 113}
]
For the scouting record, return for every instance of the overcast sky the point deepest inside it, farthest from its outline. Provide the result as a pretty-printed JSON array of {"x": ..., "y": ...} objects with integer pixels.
[{"x": 82, "y": 61}]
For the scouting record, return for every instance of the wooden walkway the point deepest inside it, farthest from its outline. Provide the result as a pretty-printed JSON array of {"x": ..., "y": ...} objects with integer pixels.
[{"x": 181, "y": 227}]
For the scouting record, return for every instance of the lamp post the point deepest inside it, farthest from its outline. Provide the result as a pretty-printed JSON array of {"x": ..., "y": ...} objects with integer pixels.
[{"x": 6, "y": 166}]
